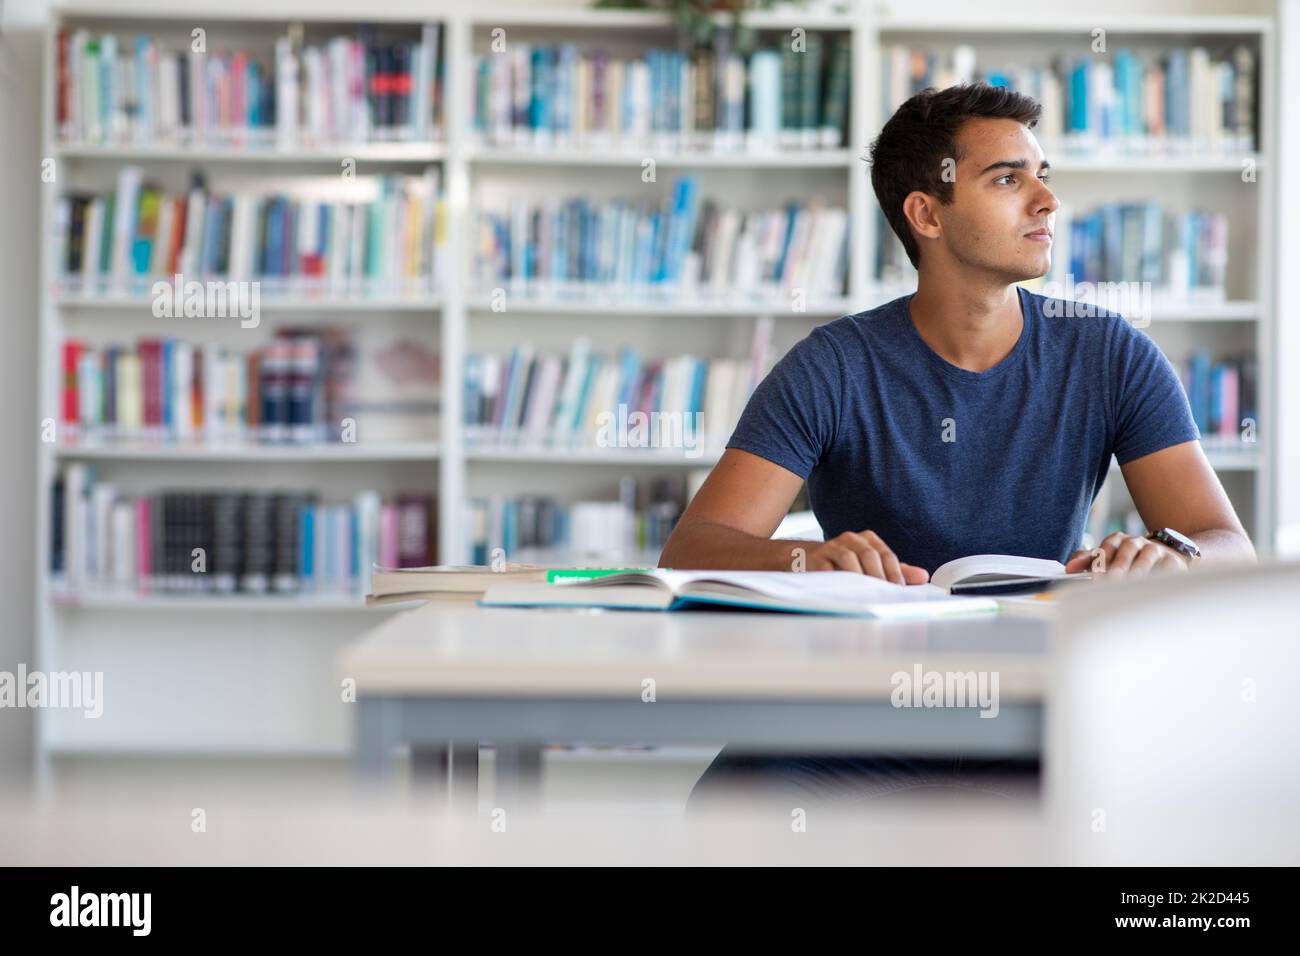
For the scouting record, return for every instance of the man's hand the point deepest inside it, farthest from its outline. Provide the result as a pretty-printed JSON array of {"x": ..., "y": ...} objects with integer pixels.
[
  {"x": 865, "y": 553},
  {"x": 1124, "y": 555}
]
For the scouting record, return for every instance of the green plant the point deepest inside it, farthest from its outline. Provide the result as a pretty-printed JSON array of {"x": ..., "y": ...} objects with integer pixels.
[{"x": 697, "y": 20}]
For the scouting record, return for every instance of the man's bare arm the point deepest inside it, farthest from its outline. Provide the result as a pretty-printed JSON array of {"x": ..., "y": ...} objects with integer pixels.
[
  {"x": 729, "y": 524},
  {"x": 1177, "y": 488},
  {"x": 1174, "y": 488}
]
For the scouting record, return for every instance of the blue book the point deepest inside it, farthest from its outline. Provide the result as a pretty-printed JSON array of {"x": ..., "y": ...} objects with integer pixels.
[
  {"x": 629, "y": 367},
  {"x": 1199, "y": 389},
  {"x": 168, "y": 376},
  {"x": 1079, "y": 97},
  {"x": 697, "y": 387},
  {"x": 540, "y": 84},
  {"x": 306, "y": 542},
  {"x": 683, "y": 226},
  {"x": 791, "y": 210}
]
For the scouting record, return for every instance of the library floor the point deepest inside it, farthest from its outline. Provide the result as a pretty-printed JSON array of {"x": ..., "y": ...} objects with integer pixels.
[{"x": 599, "y": 809}]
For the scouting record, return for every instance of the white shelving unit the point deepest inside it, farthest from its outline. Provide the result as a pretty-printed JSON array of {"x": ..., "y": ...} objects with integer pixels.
[{"x": 212, "y": 645}]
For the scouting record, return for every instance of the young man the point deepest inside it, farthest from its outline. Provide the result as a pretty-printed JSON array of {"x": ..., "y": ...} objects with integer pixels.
[{"x": 962, "y": 419}]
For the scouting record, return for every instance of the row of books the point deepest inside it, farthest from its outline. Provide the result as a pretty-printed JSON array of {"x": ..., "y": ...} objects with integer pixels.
[
  {"x": 304, "y": 386},
  {"x": 1180, "y": 254},
  {"x": 138, "y": 91},
  {"x": 226, "y": 541},
  {"x": 687, "y": 246},
  {"x": 396, "y": 237},
  {"x": 1222, "y": 393},
  {"x": 588, "y": 399},
  {"x": 709, "y": 98},
  {"x": 1184, "y": 99},
  {"x": 533, "y": 526}
]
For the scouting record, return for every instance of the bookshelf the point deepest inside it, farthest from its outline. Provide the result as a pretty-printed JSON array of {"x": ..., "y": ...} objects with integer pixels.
[{"x": 140, "y": 634}]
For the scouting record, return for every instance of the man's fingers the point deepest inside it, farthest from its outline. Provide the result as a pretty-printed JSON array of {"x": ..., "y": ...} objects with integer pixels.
[
  {"x": 889, "y": 560},
  {"x": 1122, "y": 560},
  {"x": 843, "y": 558},
  {"x": 914, "y": 575}
]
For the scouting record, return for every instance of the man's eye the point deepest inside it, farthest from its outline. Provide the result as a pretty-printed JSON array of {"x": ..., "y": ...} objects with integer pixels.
[
  {"x": 1045, "y": 177},
  {"x": 1005, "y": 178}
]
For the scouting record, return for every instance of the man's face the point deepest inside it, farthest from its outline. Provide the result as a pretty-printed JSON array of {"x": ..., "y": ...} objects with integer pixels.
[{"x": 1003, "y": 213}]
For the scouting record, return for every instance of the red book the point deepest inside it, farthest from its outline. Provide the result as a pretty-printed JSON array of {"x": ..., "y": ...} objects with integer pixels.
[
  {"x": 253, "y": 404},
  {"x": 175, "y": 242},
  {"x": 196, "y": 391},
  {"x": 150, "y": 351},
  {"x": 72, "y": 349}
]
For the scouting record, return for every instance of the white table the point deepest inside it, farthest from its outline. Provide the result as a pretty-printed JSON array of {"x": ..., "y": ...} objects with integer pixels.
[{"x": 444, "y": 676}]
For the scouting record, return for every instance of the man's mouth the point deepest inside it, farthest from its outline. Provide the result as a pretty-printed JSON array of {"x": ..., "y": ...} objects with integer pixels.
[{"x": 1040, "y": 235}]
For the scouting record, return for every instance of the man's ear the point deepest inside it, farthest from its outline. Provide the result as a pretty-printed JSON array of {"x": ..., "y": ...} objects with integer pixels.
[{"x": 922, "y": 212}]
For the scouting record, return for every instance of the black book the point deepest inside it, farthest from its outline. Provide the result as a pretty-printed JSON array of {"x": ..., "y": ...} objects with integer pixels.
[
  {"x": 183, "y": 71},
  {"x": 258, "y": 533},
  {"x": 285, "y": 562},
  {"x": 225, "y": 559},
  {"x": 56, "y": 526}
]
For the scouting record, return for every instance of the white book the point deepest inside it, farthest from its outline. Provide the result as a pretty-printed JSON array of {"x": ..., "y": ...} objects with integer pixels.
[
  {"x": 101, "y": 533},
  {"x": 162, "y": 239},
  {"x": 182, "y": 403},
  {"x": 88, "y": 392},
  {"x": 562, "y": 421},
  {"x": 542, "y": 402},
  {"x": 995, "y": 573},
  {"x": 286, "y": 93},
  {"x": 124, "y": 220},
  {"x": 60, "y": 227},
  {"x": 122, "y": 558},
  {"x": 425, "y": 78},
  {"x": 368, "y": 504},
  {"x": 75, "y": 478},
  {"x": 717, "y": 397},
  {"x": 817, "y": 592},
  {"x": 193, "y": 247}
]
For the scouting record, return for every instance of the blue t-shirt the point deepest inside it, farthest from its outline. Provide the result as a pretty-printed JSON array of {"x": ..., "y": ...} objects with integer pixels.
[{"x": 943, "y": 462}]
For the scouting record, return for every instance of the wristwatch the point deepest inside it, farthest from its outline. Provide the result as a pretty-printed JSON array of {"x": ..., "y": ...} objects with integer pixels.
[{"x": 1179, "y": 542}]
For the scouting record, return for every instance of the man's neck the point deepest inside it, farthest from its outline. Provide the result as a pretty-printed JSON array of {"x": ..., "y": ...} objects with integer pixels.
[{"x": 971, "y": 324}]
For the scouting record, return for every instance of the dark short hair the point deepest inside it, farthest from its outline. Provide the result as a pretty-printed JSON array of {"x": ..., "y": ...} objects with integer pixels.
[{"x": 908, "y": 154}]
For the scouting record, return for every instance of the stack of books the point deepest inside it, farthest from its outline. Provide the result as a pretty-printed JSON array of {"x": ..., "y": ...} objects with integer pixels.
[
  {"x": 394, "y": 241},
  {"x": 225, "y": 542},
  {"x": 134, "y": 91},
  {"x": 1181, "y": 101},
  {"x": 305, "y": 386},
  {"x": 711, "y": 98},
  {"x": 683, "y": 248}
]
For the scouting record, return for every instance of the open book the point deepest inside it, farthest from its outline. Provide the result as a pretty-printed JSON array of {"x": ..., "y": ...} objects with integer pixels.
[
  {"x": 814, "y": 592},
  {"x": 1002, "y": 574}
]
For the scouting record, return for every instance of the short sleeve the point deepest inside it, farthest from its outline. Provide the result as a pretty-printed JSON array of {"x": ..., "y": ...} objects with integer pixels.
[
  {"x": 1149, "y": 406},
  {"x": 792, "y": 416}
]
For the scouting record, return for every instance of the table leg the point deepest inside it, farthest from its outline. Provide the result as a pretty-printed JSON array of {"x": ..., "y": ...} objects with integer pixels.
[
  {"x": 429, "y": 772},
  {"x": 376, "y": 723},
  {"x": 464, "y": 775},
  {"x": 518, "y": 775}
]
